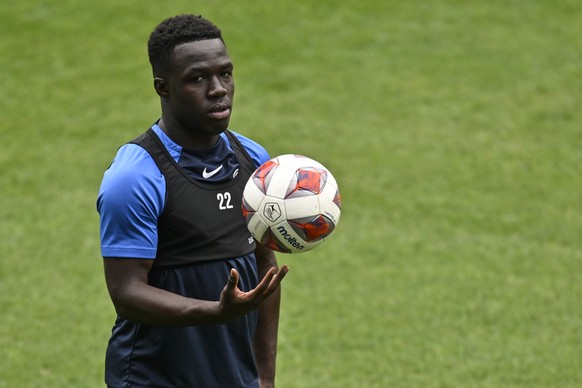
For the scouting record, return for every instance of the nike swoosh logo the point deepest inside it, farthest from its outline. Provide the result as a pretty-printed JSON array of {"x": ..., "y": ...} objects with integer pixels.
[{"x": 207, "y": 175}]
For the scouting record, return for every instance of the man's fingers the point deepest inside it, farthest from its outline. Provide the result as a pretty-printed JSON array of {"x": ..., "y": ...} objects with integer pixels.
[
  {"x": 235, "y": 303},
  {"x": 266, "y": 286},
  {"x": 282, "y": 272},
  {"x": 232, "y": 279},
  {"x": 271, "y": 281},
  {"x": 276, "y": 279},
  {"x": 265, "y": 281}
]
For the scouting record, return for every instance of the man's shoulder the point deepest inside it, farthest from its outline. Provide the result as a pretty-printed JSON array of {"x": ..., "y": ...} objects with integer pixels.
[
  {"x": 133, "y": 159},
  {"x": 132, "y": 166}
]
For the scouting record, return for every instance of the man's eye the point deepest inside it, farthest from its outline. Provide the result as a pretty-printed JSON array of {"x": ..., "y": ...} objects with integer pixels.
[{"x": 226, "y": 74}]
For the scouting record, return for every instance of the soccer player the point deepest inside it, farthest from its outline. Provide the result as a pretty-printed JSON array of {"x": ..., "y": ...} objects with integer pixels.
[{"x": 197, "y": 299}]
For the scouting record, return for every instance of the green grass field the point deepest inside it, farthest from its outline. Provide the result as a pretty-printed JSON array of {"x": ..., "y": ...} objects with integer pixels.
[{"x": 455, "y": 132}]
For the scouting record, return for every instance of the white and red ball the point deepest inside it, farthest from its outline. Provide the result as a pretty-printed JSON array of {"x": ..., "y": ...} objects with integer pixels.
[{"x": 291, "y": 203}]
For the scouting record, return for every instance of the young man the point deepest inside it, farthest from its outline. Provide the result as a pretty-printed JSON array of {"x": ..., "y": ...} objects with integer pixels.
[{"x": 197, "y": 299}]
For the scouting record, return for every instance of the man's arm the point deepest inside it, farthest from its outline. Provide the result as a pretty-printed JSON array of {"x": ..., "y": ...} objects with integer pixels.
[
  {"x": 135, "y": 300},
  {"x": 265, "y": 340}
]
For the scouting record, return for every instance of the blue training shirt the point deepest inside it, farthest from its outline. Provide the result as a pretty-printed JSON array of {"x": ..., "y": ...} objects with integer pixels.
[{"x": 132, "y": 193}]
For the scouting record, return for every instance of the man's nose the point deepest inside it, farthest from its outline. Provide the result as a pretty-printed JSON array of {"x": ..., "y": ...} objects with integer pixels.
[{"x": 216, "y": 88}]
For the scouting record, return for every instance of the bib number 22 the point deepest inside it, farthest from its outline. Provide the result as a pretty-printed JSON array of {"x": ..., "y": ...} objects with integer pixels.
[{"x": 224, "y": 201}]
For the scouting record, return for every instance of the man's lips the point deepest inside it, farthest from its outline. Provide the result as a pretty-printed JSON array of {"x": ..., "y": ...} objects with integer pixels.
[{"x": 219, "y": 111}]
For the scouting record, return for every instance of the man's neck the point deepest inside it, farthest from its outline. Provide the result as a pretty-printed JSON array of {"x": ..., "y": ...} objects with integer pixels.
[{"x": 185, "y": 138}]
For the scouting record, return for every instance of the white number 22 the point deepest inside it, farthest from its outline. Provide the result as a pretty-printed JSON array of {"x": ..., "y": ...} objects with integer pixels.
[{"x": 224, "y": 201}]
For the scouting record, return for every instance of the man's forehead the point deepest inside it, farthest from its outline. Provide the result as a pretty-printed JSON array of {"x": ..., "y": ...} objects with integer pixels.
[{"x": 202, "y": 50}]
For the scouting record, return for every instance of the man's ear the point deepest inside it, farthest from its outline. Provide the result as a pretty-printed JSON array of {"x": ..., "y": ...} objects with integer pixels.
[{"x": 161, "y": 87}]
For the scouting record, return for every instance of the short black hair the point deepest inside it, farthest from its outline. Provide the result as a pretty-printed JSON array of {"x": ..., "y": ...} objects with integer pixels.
[{"x": 174, "y": 31}]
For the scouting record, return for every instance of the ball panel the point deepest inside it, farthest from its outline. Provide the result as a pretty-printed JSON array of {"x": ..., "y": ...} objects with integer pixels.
[
  {"x": 302, "y": 207},
  {"x": 306, "y": 180},
  {"x": 253, "y": 195},
  {"x": 314, "y": 228},
  {"x": 330, "y": 202},
  {"x": 257, "y": 226},
  {"x": 310, "y": 179},
  {"x": 337, "y": 199},
  {"x": 290, "y": 239},
  {"x": 332, "y": 213},
  {"x": 280, "y": 181},
  {"x": 262, "y": 176},
  {"x": 247, "y": 210},
  {"x": 269, "y": 240},
  {"x": 271, "y": 210}
]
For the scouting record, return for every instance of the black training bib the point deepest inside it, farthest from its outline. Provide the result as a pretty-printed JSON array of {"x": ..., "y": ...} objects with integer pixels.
[{"x": 200, "y": 221}]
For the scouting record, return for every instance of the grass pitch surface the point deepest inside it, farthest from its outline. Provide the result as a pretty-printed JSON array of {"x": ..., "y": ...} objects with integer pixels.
[{"x": 452, "y": 127}]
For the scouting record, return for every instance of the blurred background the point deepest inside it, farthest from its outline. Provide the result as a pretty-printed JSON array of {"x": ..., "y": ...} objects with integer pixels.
[{"x": 453, "y": 129}]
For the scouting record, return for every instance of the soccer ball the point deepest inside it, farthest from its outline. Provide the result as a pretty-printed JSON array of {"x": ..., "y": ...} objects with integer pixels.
[{"x": 291, "y": 203}]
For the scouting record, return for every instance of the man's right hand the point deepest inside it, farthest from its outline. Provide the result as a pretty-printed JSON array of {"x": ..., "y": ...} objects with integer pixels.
[{"x": 235, "y": 303}]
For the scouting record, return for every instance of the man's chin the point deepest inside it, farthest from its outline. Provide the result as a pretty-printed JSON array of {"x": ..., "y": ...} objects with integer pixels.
[{"x": 218, "y": 129}]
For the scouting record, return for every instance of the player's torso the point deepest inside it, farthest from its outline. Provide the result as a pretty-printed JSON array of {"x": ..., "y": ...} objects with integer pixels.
[{"x": 200, "y": 221}]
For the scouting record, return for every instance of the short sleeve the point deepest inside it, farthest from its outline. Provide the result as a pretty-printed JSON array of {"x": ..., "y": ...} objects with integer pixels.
[{"x": 130, "y": 201}]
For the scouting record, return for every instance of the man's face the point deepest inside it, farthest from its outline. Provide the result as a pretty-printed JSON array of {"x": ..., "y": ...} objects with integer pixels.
[{"x": 200, "y": 87}]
